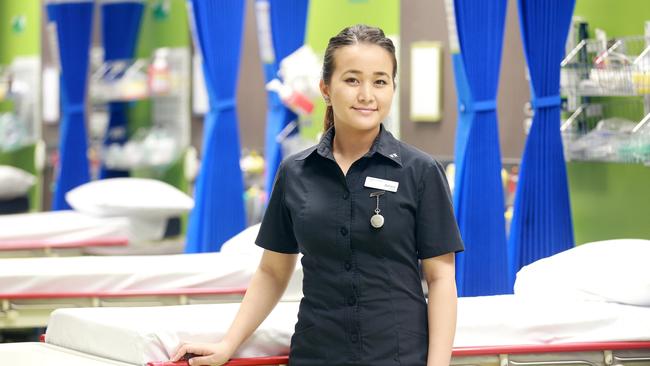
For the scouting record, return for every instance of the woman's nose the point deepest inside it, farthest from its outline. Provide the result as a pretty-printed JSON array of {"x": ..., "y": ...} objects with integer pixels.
[{"x": 365, "y": 93}]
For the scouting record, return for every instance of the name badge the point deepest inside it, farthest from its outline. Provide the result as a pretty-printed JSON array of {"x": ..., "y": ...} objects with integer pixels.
[{"x": 386, "y": 185}]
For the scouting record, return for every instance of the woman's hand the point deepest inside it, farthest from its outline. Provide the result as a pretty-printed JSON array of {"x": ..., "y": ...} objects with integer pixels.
[{"x": 212, "y": 354}]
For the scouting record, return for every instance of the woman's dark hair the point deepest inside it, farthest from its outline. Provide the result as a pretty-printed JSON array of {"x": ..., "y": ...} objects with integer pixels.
[{"x": 349, "y": 36}]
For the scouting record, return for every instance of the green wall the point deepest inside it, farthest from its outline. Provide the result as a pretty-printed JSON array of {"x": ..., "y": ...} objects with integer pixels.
[
  {"x": 616, "y": 17},
  {"x": 327, "y": 17},
  {"x": 21, "y": 39},
  {"x": 15, "y": 42},
  {"x": 609, "y": 200},
  {"x": 158, "y": 29}
]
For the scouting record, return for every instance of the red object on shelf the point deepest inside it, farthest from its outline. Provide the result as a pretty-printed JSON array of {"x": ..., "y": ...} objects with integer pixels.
[{"x": 299, "y": 103}]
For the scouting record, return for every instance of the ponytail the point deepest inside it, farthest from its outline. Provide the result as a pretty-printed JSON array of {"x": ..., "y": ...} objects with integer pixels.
[{"x": 329, "y": 118}]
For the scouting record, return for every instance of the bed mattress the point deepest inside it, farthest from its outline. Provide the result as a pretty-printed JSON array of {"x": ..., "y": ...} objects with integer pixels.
[
  {"x": 141, "y": 335},
  {"x": 29, "y": 354},
  {"x": 59, "y": 226},
  {"x": 101, "y": 274}
]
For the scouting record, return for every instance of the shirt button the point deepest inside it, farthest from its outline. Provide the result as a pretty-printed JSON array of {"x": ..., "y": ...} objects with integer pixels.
[
  {"x": 354, "y": 337},
  {"x": 348, "y": 266},
  {"x": 352, "y": 300},
  {"x": 344, "y": 231},
  {"x": 346, "y": 195}
]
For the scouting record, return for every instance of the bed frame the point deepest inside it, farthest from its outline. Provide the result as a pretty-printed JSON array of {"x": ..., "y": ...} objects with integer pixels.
[
  {"x": 50, "y": 248},
  {"x": 31, "y": 310},
  {"x": 587, "y": 354}
]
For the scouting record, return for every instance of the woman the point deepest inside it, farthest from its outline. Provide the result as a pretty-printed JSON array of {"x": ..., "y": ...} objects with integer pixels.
[{"x": 362, "y": 208}]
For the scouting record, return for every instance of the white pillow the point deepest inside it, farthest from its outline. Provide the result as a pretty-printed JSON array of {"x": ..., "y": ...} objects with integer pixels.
[
  {"x": 611, "y": 270},
  {"x": 14, "y": 182},
  {"x": 244, "y": 242},
  {"x": 129, "y": 197}
]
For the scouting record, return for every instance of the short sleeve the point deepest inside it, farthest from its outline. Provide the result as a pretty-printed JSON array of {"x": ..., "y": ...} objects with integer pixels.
[
  {"x": 436, "y": 228},
  {"x": 276, "y": 232}
]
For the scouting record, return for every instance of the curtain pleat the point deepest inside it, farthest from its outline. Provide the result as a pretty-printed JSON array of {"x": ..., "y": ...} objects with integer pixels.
[
  {"x": 478, "y": 196},
  {"x": 218, "y": 213},
  {"x": 73, "y": 22},
  {"x": 542, "y": 224}
]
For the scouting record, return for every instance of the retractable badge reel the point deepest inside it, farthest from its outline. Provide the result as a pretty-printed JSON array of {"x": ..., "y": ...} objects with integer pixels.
[{"x": 377, "y": 220}]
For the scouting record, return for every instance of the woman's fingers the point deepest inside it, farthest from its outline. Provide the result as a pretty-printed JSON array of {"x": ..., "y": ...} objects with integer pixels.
[
  {"x": 179, "y": 353},
  {"x": 197, "y": 349},
  {"x": 201, "y": 361},
  {"x": 199, "y": 354}
]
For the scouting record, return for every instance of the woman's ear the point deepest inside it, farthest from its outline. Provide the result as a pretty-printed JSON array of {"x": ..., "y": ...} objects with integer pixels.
[{"x": 324, "y": 90}]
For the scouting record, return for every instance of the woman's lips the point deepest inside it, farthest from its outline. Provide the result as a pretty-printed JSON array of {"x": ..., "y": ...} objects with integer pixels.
[{"x": 365, "y": 110}]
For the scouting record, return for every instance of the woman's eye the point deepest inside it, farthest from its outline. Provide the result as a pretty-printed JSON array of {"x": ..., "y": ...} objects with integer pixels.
[
  {"x": 381, "y": 82},
  {"x": 351, "y": 81}
]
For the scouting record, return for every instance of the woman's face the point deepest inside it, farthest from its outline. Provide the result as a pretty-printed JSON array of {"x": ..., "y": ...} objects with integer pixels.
[{"x": 361, "y": 89}]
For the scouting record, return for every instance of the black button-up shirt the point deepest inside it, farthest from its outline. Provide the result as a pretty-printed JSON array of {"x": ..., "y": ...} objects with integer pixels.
[{"x": 363, "y": 302}]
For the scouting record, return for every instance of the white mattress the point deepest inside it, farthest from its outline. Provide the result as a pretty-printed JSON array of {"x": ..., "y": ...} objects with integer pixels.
[
  {"x": 513, "y": 320},
  {"x": 140, "y": 335},
  {"x": 60, "y": 226},
  {"x": 30, "y": 354},
  {"x": 90, "y": 274}
]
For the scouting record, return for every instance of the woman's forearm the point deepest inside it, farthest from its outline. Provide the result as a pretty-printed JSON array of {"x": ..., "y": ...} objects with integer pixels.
[
  {"x": 263, "y": 293},
  {"x": 442, "y": 320}
]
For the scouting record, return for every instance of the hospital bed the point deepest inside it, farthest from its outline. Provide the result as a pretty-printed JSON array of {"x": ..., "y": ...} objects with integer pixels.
[
  {"x": 28, "y": 354},
  {"x": 614, "y": 353},
  {"x": 31, "y": 288},
  {"x": 574, "y": 320},
  {"x": 59, "y": 233},
  {"x": 492, "y": 330},
  {"x": 126, "y": 212},
  {"x": 32, "y": 353}
]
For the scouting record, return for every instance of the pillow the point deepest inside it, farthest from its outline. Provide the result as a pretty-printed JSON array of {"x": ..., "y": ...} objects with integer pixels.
[
  {"x": 129, "y": 197},
  {"x": 611, "y": 270},
  {"x": 244, "y": 242},
  {"x": 14, "y": 182}
]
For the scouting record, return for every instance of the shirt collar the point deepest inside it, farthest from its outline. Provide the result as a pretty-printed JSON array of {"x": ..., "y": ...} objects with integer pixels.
[{"x": 385, "y": 145}]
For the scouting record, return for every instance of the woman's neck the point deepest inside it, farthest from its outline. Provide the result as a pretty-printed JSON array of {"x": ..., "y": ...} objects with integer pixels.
[{"x": 350, "y": 145}]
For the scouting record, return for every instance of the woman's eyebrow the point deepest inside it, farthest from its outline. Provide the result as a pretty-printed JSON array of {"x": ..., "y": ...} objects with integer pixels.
[{"x": 377, "y": 73}]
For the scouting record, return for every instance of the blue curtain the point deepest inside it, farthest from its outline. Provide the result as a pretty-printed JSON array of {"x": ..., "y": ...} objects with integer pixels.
[
  {"x": 541, "y": 224},
  {"x": 462, "y": 131},
  {"x": 120, "y": 28},
  {"x": 288, "y": 23},
  {"x": 218, "y": 213},
  {"x": 478, "y": 190},
  {"x": 74, "y": 25}
]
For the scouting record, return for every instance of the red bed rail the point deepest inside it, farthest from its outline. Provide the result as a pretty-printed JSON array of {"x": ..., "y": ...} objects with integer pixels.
[
  {"x": 253, "y": 361},
  {"x": 459, "y": 352},
  {"x": 124, "y": 293},
  {"x": 549, "y": 348},
  {"x": 9, "y": 245}
]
